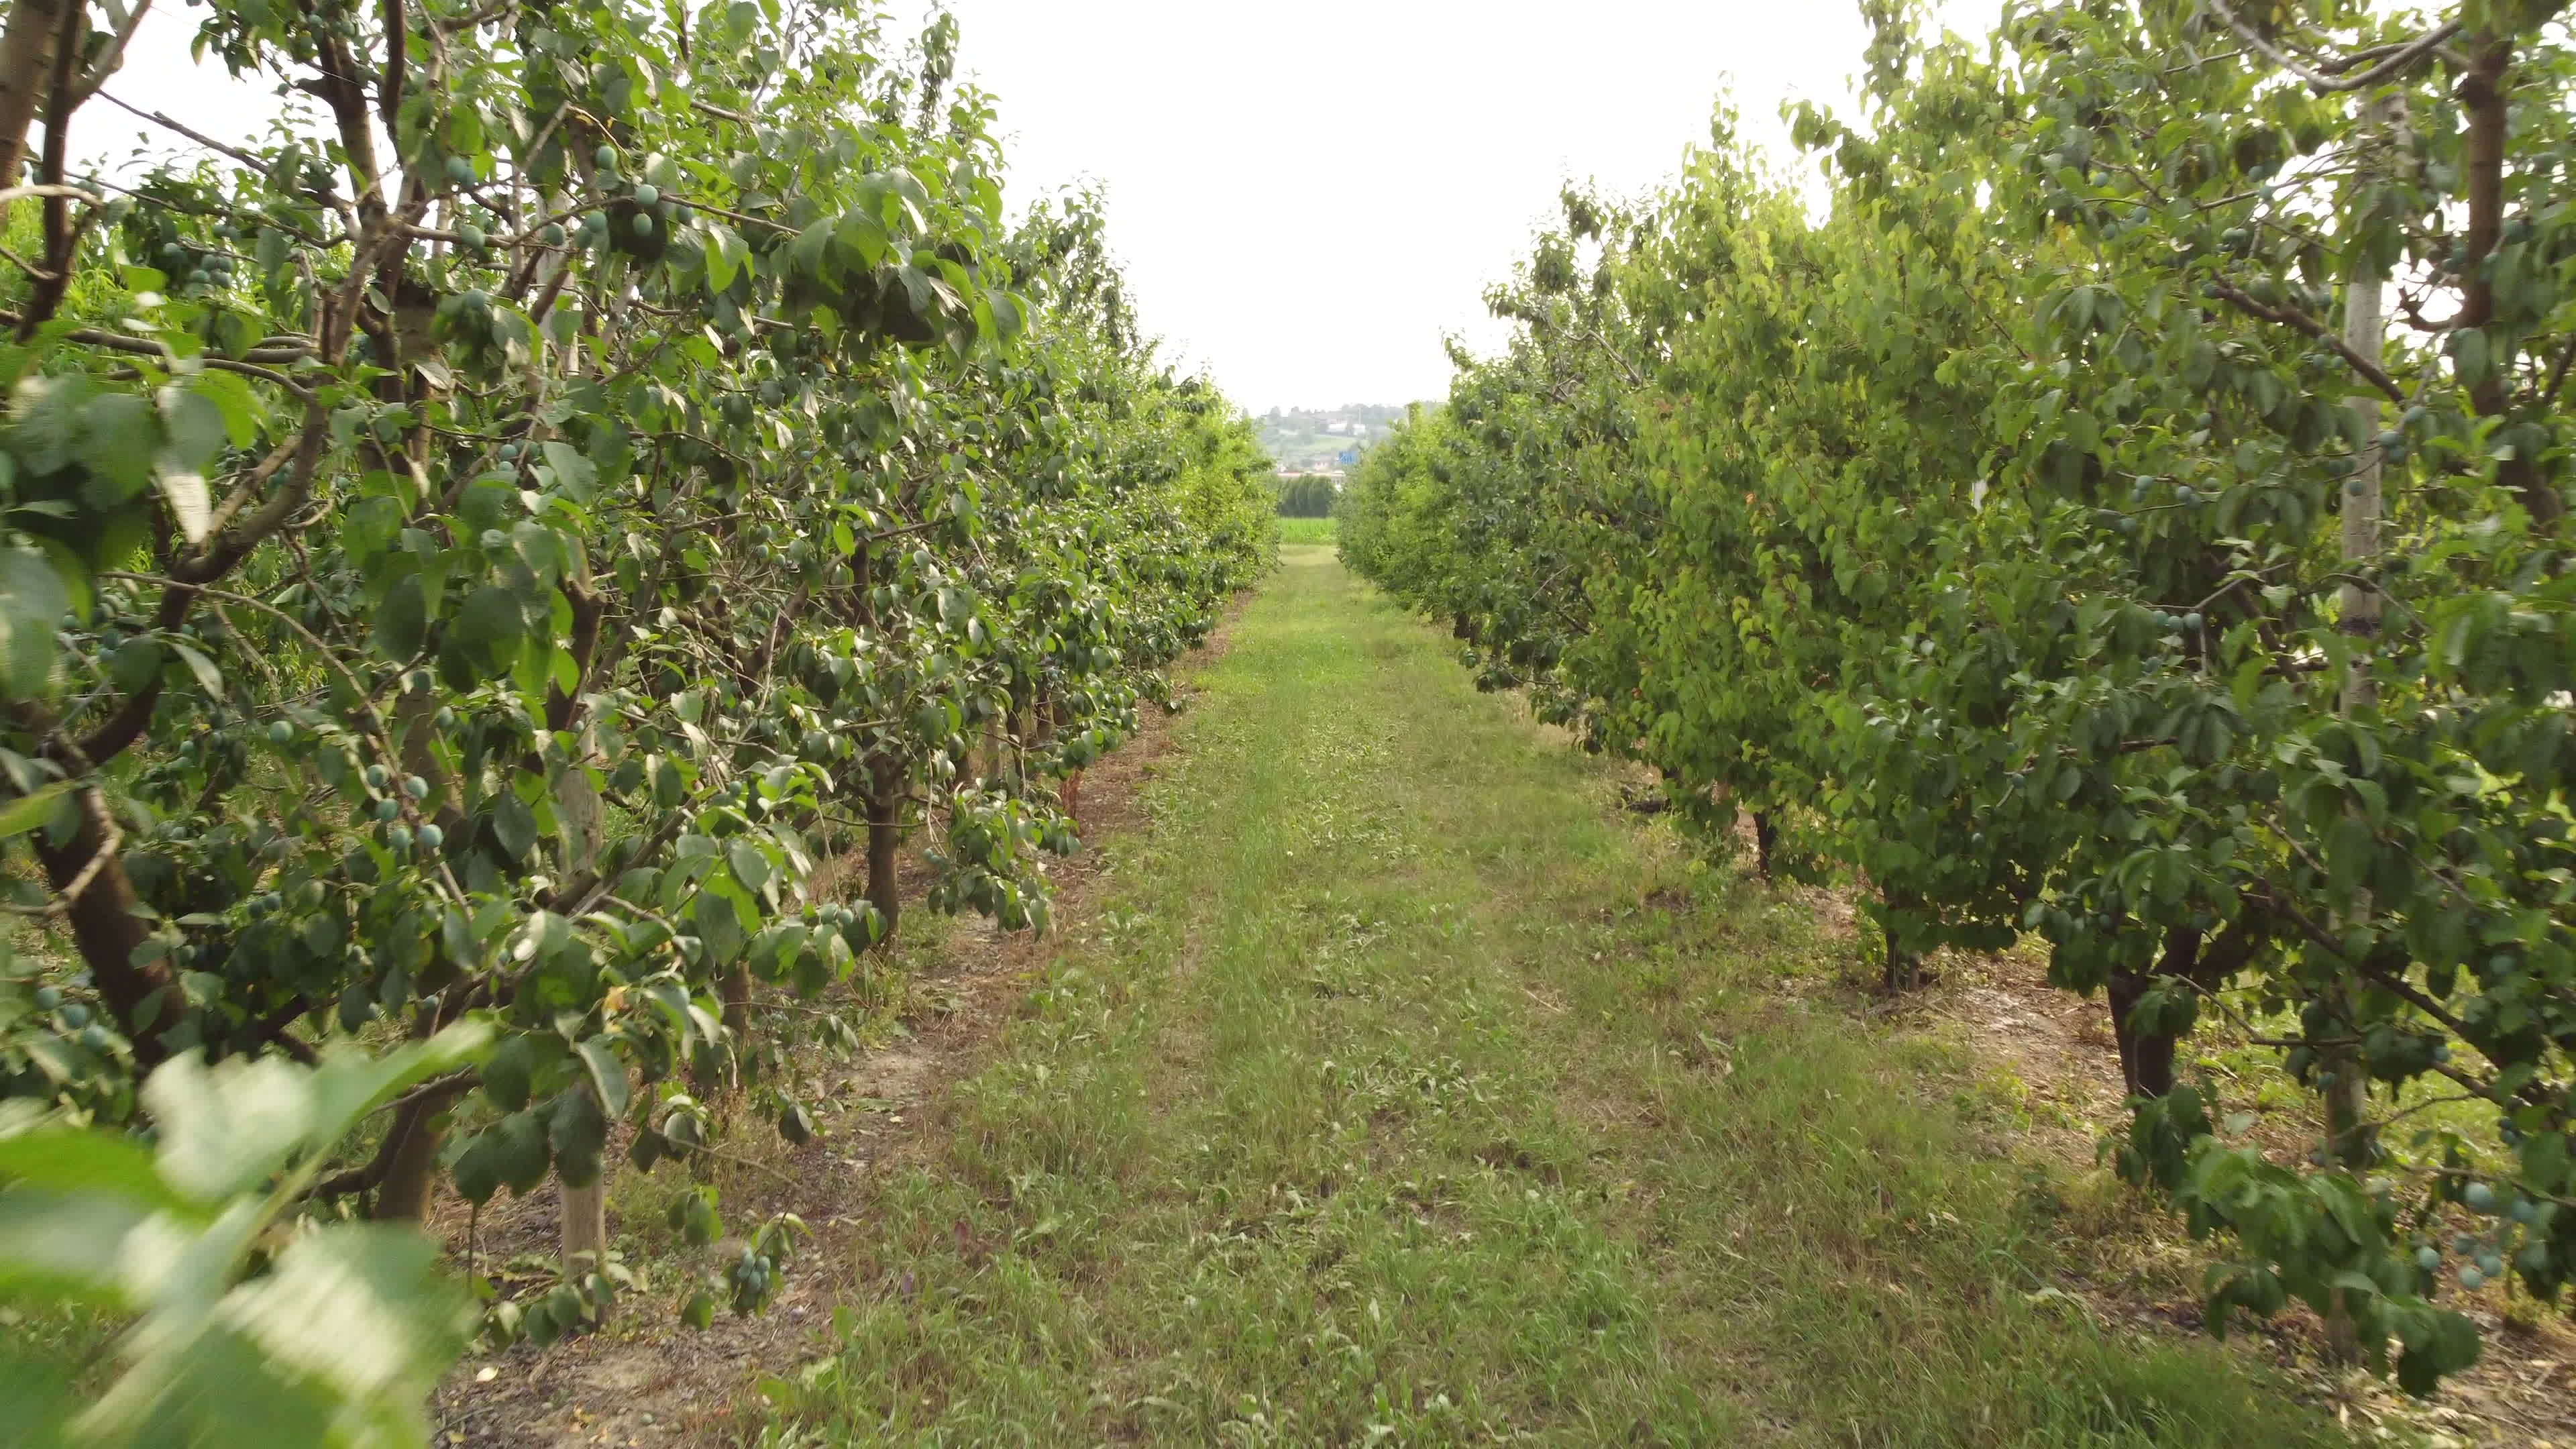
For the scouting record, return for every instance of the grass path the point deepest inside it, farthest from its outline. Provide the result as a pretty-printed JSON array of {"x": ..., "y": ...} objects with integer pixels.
[{"x": 1403, "y": 1090}]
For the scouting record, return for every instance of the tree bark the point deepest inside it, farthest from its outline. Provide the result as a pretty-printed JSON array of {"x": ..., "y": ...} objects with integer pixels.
[
  {"x": 736, "y": 995},
  {"x": 2485, "y": 95},
  {"x": 410, "y": 1155},
  {"x": 1903, "y": 970},
  {"x": 2359, "y": 621},
  {"x": 2145, "y": 1071},
  {"x": 885, "y": 839},
  {"x": 26, "y": 63},
  {"x": 63, "y": 96},
  {"x": 995, "y": 747},
  {"x": 585, "y": 1224},
  {"x": 584, "y": 816},
  {"x": 2341, "y": 1082},
  {"x": 108, "y": 927},
  {"x": 2147, "y": 1058}
]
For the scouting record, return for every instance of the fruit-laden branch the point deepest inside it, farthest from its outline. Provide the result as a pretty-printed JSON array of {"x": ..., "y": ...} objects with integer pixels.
[
  {"x": 2293, "y": 317},
  {"x": 2328, "y": 80}
]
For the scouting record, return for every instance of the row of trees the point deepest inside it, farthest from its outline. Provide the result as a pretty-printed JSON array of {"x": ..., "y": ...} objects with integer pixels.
[
  {"x": 1308, "y": 495},
  {"x": 2126, "y": 506},
  {"x": 463, "y": 560}
]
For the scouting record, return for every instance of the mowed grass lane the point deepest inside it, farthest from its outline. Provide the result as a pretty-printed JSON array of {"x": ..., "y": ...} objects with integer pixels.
[{"x": 1404, "y": 1090}]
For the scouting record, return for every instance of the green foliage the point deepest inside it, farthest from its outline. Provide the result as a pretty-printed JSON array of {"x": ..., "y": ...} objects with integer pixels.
[
  {"x": 1987, "y": 537},
  {"x": 473, "y": 562},
  {"x": 1308, "y": 495},
  {"x": 244, "y": 1327}
]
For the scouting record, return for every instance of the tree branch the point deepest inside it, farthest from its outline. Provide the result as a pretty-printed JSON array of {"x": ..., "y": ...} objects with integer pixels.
[
  {"x": 2292, "y": 317},
  {"x": 113, "y": 58},
  {"x": 146, "y": 347},
  {"x": 219, "y": 556},
  {"x": 2324, "y": 80},
  {"x": 389, "y": 90}
]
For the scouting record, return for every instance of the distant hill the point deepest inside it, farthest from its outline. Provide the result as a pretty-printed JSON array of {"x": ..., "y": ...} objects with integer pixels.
[{"x": 1302, "y": 440}]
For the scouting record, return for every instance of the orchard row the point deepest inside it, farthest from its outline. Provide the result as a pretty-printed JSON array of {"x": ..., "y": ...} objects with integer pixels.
[
  {"x": 463, "y": 563},
  {"x": 2121, "y": 502}
]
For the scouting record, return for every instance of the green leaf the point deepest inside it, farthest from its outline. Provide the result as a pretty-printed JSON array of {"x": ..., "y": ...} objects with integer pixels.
[
  {"x": 209, "y": 678},
  {"x": 120, "y": 437},
  {"x": 272, "y": 251},
  {"x": 578, "y": 1130},
  {"x": 227, "y": 1128},
  {"x": 700, "y": 1311},
  {"x": 45, "y": 421},
  {"x": 366, "y": 1309},
  {"x": 725, "y": 253},
  {"x": 519, "y": 1142},
  {"x": 32, "y": 605},
  {"x": 231, "y": 396},
  {"x": 195, "y": 426},
  {"x": 860, "y": 234},
  {"x": 750, "y": 866},
  {"x": 27, "y": 812},
  {"x": 35, "y": 1402},
  {"x": 69, "y": 1244},
  {"x": 339, "y": 1342},
  {"x": 60, "y": 1159},
  {"x": 607, "y": 1075},
  {"x": 2449, "y": 1344},
  {"x": 484, "y": 640},
  {"x": 573, "y": 473},
  {"x": 508, "y": 1072},
  {"x": 402, "y": 619},
  {"x": 190, "y": 505},
  {"x": 2470, "y": 353},
  {"x": 718, "y": 925}
]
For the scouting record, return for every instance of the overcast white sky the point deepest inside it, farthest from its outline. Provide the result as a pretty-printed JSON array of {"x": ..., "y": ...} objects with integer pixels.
[{"x": 1307, "y": 196}]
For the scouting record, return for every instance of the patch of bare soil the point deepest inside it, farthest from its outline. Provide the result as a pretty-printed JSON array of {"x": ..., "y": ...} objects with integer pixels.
[{"x": 647, "y": 1379}]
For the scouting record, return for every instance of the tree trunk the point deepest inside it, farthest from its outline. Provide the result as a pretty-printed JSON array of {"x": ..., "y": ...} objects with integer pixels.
[
  {"x": 2486, "y": 97},
  {"x": 736, "y": 993},
  {"x": 584, "y": 817},
  {"x": 2339, "y": 1066},
  {"x": 585, "y": 1225},
  {"x": 108, "y": 927},
  {"x": 410, "y": 1176},
  {"x": 26, "y": 63},
  {"x": 2147, "y": 1058},
  {"x": 1903, "y": 970},
  {"x": 885, "y": 839},
  {"x": 709, "y": 1069}
]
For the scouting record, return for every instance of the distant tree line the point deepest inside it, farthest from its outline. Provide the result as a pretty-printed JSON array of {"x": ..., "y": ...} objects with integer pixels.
[{"x": 1309, "y": 496}]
